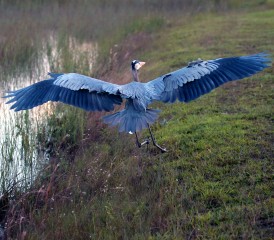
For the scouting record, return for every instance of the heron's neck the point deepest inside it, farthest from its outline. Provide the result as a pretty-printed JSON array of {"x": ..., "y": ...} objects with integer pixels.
[{"x": 135, "y": 75}]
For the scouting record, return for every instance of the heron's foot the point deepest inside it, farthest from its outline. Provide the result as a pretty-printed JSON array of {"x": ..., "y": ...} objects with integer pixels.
[
  {"x": 139, "y": 144},
  {"x": 147, "y": 141},
  {"x": 163, "y": 150}
]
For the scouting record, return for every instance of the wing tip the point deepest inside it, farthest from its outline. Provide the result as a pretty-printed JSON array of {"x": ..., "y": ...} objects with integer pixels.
[{"x": 263, "y": 57}]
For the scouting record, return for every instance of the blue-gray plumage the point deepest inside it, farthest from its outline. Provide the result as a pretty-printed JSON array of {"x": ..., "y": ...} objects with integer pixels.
[{"x": 185, "y": 84}]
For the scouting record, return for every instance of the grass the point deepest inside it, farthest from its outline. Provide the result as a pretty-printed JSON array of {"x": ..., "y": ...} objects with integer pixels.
[
  {"x": 18, "y": 153},
  {"x": 216, "y": 180}
]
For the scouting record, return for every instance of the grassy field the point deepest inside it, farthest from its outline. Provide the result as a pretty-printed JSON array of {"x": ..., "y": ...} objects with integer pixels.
[{"x": 215, "y": 182}]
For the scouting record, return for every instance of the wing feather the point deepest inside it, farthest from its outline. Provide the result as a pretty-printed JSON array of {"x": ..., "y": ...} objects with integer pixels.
[
  {"x": 74, "y": 89},
  {"x": 200, "y": 77}
]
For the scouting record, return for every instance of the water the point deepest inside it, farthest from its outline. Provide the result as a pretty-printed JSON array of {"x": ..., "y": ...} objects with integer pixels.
[{"x": 20, "y": 154}]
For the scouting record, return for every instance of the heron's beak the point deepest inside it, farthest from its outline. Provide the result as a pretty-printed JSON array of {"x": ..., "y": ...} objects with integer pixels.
[
  {"x": 142, "y": 64},
  {"x": 139, "y": 65}
]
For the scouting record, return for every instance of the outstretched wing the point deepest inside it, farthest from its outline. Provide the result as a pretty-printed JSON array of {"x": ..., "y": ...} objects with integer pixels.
[
  {"x": 78, "y": 90},
  {"x": 200, "y": 77}
]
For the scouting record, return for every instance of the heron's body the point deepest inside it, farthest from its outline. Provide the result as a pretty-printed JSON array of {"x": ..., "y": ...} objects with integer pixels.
[{"x": 185, "y": 84}]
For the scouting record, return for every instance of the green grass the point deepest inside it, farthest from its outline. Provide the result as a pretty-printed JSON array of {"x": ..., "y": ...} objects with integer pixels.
[{"x": 215, "y": 182}]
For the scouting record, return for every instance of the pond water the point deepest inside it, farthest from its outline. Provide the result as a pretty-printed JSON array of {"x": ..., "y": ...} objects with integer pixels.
[{"x": 20, "y": 154}]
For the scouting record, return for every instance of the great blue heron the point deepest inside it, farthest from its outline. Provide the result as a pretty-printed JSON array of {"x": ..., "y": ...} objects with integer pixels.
[{"x": 91, "y": 94}]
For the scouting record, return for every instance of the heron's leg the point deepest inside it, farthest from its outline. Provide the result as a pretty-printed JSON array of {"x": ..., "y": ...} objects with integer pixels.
[
  {"x": 163, "y": 150},
  {"x": 138, "y": 143}
]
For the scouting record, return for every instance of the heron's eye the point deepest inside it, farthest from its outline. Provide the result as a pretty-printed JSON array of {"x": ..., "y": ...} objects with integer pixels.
[{"x": 133, "y": 64}]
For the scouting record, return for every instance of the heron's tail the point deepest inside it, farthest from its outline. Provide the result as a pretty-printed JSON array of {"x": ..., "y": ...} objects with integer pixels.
[{"x": 131, "y": 120}]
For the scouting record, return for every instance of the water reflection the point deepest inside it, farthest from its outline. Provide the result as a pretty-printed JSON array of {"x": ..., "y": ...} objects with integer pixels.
[{"x": 20, "y": 158}]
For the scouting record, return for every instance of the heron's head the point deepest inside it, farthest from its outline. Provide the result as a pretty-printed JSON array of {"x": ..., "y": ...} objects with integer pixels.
[{"x": 136, "y": 64}]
